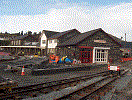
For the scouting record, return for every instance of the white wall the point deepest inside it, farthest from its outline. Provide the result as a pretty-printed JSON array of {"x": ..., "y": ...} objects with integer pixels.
[
  {"x": 43, "y": 37},
  {"x": 52, "y": 45}
]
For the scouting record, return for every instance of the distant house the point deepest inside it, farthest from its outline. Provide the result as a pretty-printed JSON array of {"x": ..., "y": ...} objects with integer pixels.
[
  {"x": 25, "y": 40},
  {"x": 126, "y": 48},
  {"x": 7, "y": 36},
  {"x": 51, "y": 39},
  {"x": 30, "y": 44},
  {"x": 44, "y": 37}
]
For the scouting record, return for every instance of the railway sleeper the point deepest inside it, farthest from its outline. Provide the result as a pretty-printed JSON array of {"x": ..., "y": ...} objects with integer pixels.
[
  {"x": 93, "y": 90},
  {"x": 74, "y": 97},
  {"x": 47, "y": 90}
]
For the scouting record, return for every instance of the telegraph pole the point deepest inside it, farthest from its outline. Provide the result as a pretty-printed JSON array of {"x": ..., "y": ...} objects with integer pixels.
[{"x": 125, "y": 37}]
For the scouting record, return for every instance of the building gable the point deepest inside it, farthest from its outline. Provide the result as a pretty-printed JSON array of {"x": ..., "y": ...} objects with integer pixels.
[
  {"x": 87, "y": 35},
  {"x": 49, "y": 33},
  {"x": 68, "y": 35},
  {"x": 99, "y": 38},
  {"x": 43, "y": 40}
]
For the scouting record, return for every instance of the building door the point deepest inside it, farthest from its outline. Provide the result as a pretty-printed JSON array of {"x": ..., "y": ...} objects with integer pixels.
[
  {"x": 86, "y": 56},
  {"x": 101, "y": 55}
]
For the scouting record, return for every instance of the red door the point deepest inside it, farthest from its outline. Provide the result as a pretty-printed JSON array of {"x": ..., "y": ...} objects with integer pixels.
[{"x": 86, "y": 56}]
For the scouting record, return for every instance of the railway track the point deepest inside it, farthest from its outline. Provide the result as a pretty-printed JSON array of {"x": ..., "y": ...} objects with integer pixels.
[
  {"x": 88, "y": 90},
  {"x": 75, "y": 85},
  {"x": 46, "y": 87}
]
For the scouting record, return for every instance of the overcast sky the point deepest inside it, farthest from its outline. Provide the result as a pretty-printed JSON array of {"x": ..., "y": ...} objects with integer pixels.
[{"x": 113, "y": 16}]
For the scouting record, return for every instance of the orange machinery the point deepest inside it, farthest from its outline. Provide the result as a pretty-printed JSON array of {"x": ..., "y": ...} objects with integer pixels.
[{"x": 53, "y": 59}]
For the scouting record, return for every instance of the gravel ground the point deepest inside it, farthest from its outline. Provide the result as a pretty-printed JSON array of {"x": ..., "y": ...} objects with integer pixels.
[
  {"x": 124, "y": 90},
  {"x": 29, "y": 79},
  {"x": 122, "y": 86},
  {"x": 23, "y": 61}
]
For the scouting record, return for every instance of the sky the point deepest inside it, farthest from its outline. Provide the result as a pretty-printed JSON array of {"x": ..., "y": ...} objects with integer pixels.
[{"x": 113, "y": 16}]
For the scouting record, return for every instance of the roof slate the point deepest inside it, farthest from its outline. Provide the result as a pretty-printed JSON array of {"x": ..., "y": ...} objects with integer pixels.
[
  {"x": 78, "y": 38},
  {"x": 49, "y": 33},
  {"x": 116, "y": 39},
  {"x": 19, "y": 37},
  {"x": 59, "y": 34},
  {"x": 126, "y": 44}
]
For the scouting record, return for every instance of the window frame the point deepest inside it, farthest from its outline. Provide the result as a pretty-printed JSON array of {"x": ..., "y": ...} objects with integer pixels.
[
  {"x": 55, "y": 41},
  {"x": 50, "y": 41},
  {"x": 101, "y": 56},
  {"x": 43, "y": 41}
]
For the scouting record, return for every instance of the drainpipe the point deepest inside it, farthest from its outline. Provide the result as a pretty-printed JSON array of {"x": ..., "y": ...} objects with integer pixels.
[
  {"x": 46, "y": 47},
  {"x": 125, "y": 37}
]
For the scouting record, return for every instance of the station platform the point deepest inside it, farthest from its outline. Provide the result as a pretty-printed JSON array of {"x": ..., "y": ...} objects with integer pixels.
[
  {"x": 32, "y": 76},
  {"x": 29, "y": 79},
  {"x": 7, "y": 58},
  {"x": 61, "y": 68}
]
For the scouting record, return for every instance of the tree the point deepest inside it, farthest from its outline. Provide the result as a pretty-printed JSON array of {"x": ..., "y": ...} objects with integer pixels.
[
  {"x": 25, "y": 33},
  {"x": 29, "y": 33},
  {"x": 34, "y": 33},
  {"x": 39, "y": 32},
  {"x": 21, "y": 32},
  {"x": 6, "y": 33}
]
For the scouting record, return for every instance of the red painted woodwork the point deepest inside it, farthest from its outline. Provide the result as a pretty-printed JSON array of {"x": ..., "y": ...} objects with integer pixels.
[
  {"x": 85, "y": 47},
  {"x": 86, "y": 56},
  {"x": 125, "y": 59}
]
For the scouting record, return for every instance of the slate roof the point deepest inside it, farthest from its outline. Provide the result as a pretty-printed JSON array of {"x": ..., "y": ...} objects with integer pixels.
[
  {"x": 76, "y": 39},
  {"x": 19, "y": 37},
  {"x": 79, "y": 37},
  {"x": 116, "y": 39},
  {"x": 49, "y": 33},
  {"x": 59, "y": 34},
  {"x": 122, "y": 42},
  {"x": 126, "y": 44},
  {"x": 36, "y": 36}
]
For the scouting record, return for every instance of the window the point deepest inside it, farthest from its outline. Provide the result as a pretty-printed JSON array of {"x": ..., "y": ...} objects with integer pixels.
[
  {"x": 101, "y": 55},
  {"x": 52, "y": 50},
  {"x": 35, "y": 43},
  {"x": 19, "y": 42},
  {"x": 55, "y": 41},
  {"x": 43, "y": 41},
  {"x": 11, "y": 42},
  {"x": 50, "y": 41},
  {"x": 48, "y": 50},
  {"x": 14, "y": 43}
]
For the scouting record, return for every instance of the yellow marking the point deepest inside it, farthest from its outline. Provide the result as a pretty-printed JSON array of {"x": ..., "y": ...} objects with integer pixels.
[{"x": 9, "y": 89}]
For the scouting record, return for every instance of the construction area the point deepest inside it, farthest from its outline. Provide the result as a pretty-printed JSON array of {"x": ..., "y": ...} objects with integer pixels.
[
  {"x": 69, "y": 65},
  {"x": 35, "y": 78}
]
